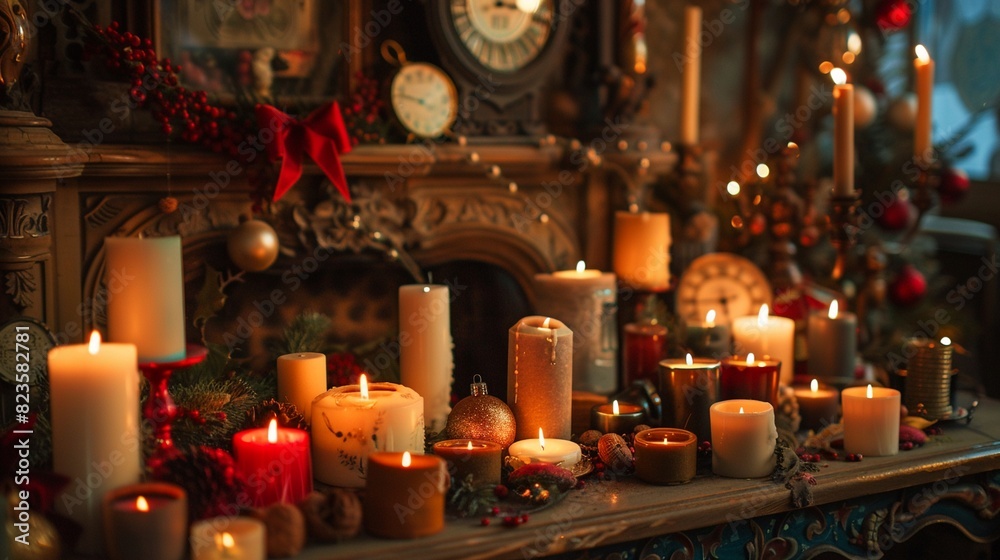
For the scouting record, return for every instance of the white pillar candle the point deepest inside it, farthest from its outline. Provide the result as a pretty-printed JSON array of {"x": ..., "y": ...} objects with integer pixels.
[
  {"x": 692, "y": 75},
  {"x": 95, "y": 428},
  {"x": 843, "y": 134},
  {"x": 768, "y": 337},
  {"x": 559, "y": 452},
  {"x": 301, "y": 378},
  {"x": 832, "y": 343},
  {"x": 145, "y": 285},
  {"x": 353, "y": 421},
  {"x": 540, "y": 377},
  {"x": 923, "y": 66},
  {"x": 228, "y": 537},
  {"x": 642, "y": 250},
  {"x": 871, "y": 420},
  {"x": 743, "y": 438},
  {"x": 425, "y": 349},
  {"x": 585, "y": 300}
]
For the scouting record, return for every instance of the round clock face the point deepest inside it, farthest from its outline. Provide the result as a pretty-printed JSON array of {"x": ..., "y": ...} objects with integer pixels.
[
  {"x": 424, "y": 99},
  {"x": 730, "y": 284},
  {"x": 503, "y": 35}
]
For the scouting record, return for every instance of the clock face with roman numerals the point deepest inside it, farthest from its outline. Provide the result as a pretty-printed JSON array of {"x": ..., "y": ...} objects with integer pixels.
[
  {"x": 730, "y": 284},
  {"x": 503, "y": 35}
]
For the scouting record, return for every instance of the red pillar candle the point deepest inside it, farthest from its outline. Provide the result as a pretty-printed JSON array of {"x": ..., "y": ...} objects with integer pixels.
[
  {"x": 750, "y": 378},
  {"x": 477, "y": 457},
  {"x": 665, "y": 455},
  {"x": 404, "y": 495},
  {"x": 275, "y": 463},
  {"x": 645, "y": 345}
]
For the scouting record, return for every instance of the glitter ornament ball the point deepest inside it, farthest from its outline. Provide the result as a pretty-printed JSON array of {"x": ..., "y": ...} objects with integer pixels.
[
  {"x": 253, "y": 245},
  {"x": 481, "y": 416}
]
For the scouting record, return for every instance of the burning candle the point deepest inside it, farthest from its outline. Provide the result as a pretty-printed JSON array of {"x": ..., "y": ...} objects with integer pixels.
[
  {"x": 923, "y": 65},
  {"x": 832, "y": 344},
  {"x": 351, "y": 422},
  {"x": 404, "y": 497},
  {"x": 425, "y": 348},
  {"x": 301, "y": 378},
  {"x": 642, "y": 250},
  {"x": 145, "y": 279},
  {"x": 665, "y": 455},
  {"x": 275, "y": 462},
  {"x": 584, "y": 299},
  {"x": 743, "y": 438},
  {"x": 843, "y": 134},
  {"x": 750, "y": 378},
  {"x": 691, "y": 76},
  {"x": 616, "y": 418},
  {"x": 709, "y": 339},
  {"x": 561, "y": 452},
  {"x": 818, "y": 407},
  {"x": 145, "y": 521},
  {"x": 94, "y": 391},
  {"x": 540, "y": 376},
  {"x": 768, "y": 337},
  {"x": 475, "y": 457},
  {"x": 228, "y": 538},
  {"x": 689, "y": 387},
  {"x": 871, "y": 420}
]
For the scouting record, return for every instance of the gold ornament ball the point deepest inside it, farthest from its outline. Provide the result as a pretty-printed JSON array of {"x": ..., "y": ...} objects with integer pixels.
[
  {"x": 482, "y": 417},
  {"x": 253, "y": 246},
  {"x": 44, "y": 540},
  {"x": 865, "y": 106}
]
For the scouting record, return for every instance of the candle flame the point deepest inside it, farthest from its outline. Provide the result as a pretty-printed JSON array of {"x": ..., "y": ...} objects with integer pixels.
[
  {"x": 688, "y": 359},
  {"x": 407, "y": 460},
  {"x": 665, "y": 440},
  {"x": 922, "y": 53},
  {"x": 469, "y": 447},
  {"x": 869, "y": 390},
  {"x": 427, "y": 289},
  {"x": 710, "y": 317},
  {"x": 225, "y": 540},
  {"x": 839, "y": 76},
  {"x": 614, "y": 408},
  {"x": 741, "y": 410},
  {"x": 364, "y": 387},
  {"x": 945, "y": 340},
  {"x": 762, "y": 315},
  {"x": 545, "y": 323},
  {"x": 750, "y": 358},
  {"x": 541, "y": 439},
  {"x": 272, "y": 431},
  {"x": 834, "y": 308},
  {"x": 581, "y": 266},
  {"x": 95, "y": 343},
  {"x": 141, "y": 504},
  {"x": 814, "y": 386}
]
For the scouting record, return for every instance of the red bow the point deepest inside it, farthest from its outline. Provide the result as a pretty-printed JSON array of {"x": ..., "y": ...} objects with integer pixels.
[{"x": 322, "y": 135}]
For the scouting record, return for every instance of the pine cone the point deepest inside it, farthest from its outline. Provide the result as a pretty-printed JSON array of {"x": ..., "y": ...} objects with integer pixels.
[
  {"x": 333, "y": 514},
  {"x": 286, "y": 413},
  {"x": 207, "y": 475}
]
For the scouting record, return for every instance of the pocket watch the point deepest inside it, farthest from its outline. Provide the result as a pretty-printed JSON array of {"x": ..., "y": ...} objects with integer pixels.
[{"x": 422, "y": 96}]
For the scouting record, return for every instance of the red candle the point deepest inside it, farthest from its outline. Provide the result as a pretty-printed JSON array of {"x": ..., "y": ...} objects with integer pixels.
[
  {"x": 275, "y": 462},
  {"x": 645, "y": 346},
  {"x": 749, "y": 378}
]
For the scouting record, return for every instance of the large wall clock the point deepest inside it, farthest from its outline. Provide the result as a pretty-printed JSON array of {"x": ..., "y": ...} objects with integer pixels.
[
  {"x": 500, "y": 53},
  {"x": 730, "y": 284}
]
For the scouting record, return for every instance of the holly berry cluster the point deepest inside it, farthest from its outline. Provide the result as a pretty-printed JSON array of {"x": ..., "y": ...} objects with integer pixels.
[
  {"x": 364, "y": 112},
  {"x": 154, "y": 86}
]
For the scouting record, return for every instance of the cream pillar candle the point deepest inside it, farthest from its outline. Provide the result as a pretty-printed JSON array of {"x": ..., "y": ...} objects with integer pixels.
[
  {"x": 642, "y": 250},
  {"x": 843, "y": 134},
  {"x": 353, "y": 421},
  {"x": 145, "y": 285},
  {"x": 425, "y": 349},
  {"x": 832, "y": 343},
  {"x": 871, "y": 420},
  {"x": 584, "y": 299},
  {"x": 767, "y": 337},
  {"x": 540, "y": 377},
  {"x": 94, "y": 390},
  {"x": 923, "y": 66},
  {"x": 743, "y": 438},
  {"x": 691, "y": 76},
  {"x": 228, "y": 538},
  {"x": 301, "y": 378}
]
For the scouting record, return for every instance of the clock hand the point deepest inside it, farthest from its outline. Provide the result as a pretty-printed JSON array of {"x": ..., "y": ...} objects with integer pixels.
[{"x": 419, "y": 100}]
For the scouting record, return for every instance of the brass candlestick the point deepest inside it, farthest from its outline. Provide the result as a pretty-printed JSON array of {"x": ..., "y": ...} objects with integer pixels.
[{"x": 843, "y": 222}]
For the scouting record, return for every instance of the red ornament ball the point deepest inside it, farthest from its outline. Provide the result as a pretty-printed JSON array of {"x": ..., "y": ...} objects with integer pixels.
[
  {"x": 893, "y": 15},
  {"x": 908, "y": 287},
  {"x": 954, "y": 184},
  {"x": 896, "y": 215}
]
